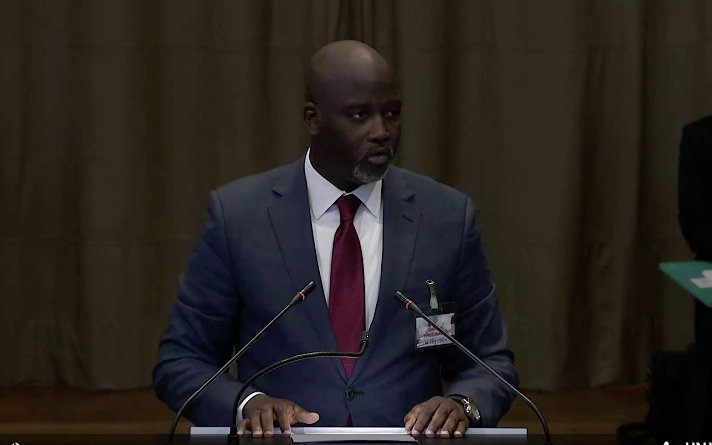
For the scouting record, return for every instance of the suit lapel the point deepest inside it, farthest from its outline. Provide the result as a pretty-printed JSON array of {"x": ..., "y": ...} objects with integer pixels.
[
  {"x": 291, "y": 222},
  {"x": 400, "y": 229}
]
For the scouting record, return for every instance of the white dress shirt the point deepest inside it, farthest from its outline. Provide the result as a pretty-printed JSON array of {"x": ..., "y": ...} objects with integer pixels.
[
  {"x": 368, "y": 222},
  {"x": 325, "y": 219}
]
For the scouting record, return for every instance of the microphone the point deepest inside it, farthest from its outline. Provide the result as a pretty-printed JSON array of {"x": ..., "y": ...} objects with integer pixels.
[
  {"x": 298, "y": 298},
  {"x": 233, "y": 438},
  {"x": 410, "y": 305}
]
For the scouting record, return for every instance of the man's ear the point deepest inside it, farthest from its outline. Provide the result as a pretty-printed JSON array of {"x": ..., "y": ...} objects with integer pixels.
[{"x": 311, "y": 118}]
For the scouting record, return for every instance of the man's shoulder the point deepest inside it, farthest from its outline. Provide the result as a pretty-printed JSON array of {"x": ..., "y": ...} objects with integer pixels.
[
  {"x": 703, "y": 125},
  {"x": 433, "y": 199},
  {"x": 260, "y": 183},
  {"x": 421, "y": 183},
  {"x": 697, "y": 138}
]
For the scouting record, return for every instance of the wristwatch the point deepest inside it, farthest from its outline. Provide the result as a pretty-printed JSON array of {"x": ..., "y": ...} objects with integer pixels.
[{"x": 471, "y": 411}]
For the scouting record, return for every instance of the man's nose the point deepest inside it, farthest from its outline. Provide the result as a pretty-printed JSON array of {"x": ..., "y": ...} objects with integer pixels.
[{"x": 380, "y": 130}]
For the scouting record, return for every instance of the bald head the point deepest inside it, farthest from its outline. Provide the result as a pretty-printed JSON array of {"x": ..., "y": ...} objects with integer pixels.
[
  {"x": 352, "y": 113},
  {"x": 342, "y": 62}
]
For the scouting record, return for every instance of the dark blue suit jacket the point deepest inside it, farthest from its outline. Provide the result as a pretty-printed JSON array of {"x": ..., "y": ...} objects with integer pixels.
[{"x": 257, "y": 250}]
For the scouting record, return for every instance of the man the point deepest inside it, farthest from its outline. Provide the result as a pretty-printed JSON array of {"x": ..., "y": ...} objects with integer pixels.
[
  {"x": 695, "y": 217},
  {"x": 695, "y": 205},
  {"x": 341, "y": 217},
  {"x": 695, "y": 187}
]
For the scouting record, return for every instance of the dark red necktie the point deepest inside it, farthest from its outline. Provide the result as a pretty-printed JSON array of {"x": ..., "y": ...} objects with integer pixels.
[{"x": 346, "y": 287}]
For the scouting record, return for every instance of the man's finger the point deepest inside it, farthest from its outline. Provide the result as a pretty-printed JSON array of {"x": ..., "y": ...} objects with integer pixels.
[
  {"x": 461, "y": 428},
  {"x": 267, "y": 420},
  {"x": 426, "y": 412},
  {"x": 300, "y": 415},
  {"x": 284, "y": 414},
  {"x": 242, "y": 427},
  {"x": 255, "y": 423},
  {"x": 410, "y": 417},
  {"x": 437, "y": 420},
  {"x": 450, "y": 424}
]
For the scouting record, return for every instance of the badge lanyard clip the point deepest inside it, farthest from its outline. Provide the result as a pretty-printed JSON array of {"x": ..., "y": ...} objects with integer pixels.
[{"x": 434, "y": 305}]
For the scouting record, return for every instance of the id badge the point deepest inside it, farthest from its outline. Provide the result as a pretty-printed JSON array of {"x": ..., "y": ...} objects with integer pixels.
[{"x": 426, "y": 336}]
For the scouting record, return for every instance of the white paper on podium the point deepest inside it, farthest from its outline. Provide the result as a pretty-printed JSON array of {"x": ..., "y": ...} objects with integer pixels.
[
  {"x": 352, "y": 437},
  {"x": 310, "y": 430}
]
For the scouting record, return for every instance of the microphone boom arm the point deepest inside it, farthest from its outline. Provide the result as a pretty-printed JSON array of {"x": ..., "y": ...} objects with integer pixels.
[
  {"x": 410, "y": 305},
  {"x": 298, "y": 298},
  {"x": 285, "y": 361}
]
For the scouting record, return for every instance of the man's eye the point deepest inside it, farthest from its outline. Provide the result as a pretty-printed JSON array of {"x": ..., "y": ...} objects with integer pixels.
[
  {"x": 393, "y": 114},
  {"x": 358, "y": 115}
]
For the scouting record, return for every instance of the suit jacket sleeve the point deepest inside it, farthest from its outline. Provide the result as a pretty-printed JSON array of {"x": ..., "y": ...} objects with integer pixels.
[
  {"x": 201, "y": 330},
  {"x": 695, "y": 188},
  {"x": 479, "y": 327}
]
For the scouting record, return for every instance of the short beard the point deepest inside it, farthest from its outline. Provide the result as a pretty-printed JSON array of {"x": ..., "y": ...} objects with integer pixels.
[{"x": 366, "y": 178}]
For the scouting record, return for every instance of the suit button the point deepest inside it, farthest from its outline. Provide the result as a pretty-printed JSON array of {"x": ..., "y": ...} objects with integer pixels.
[{"x": 350, "y": 394}]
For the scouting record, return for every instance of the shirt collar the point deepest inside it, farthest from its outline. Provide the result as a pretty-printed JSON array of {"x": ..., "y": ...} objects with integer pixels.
[{"x": 323, "y": 194}]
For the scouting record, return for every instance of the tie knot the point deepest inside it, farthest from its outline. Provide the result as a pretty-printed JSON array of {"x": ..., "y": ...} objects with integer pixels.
[{"x": 348, "y": 204}]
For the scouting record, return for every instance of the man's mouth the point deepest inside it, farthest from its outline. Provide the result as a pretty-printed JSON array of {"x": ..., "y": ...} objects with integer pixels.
[{"x": 379, "y": 155}]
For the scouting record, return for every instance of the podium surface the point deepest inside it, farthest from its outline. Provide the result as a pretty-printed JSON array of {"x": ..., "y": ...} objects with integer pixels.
[{"x": 130, "y": 439}]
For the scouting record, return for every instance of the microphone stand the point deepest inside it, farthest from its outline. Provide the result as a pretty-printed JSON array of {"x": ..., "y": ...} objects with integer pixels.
[
  {"x": 410, "y": 305},
  {"x": 233, "y": 438},
  {"x": 298, "y": 298}
]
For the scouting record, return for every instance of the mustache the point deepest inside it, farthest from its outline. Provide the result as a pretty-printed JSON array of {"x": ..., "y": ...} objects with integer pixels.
[{"x": 387, "y": 150}]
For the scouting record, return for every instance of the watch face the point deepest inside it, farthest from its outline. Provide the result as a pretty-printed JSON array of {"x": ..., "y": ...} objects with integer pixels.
[{"x": 471, "y": 411}]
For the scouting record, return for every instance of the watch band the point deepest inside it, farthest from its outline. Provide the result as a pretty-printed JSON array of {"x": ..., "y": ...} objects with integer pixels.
[{"x": 471, "y": 411}]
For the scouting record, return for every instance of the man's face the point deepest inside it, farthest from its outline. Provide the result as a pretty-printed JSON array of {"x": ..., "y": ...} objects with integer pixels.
[{"x": 356, "y": 133}]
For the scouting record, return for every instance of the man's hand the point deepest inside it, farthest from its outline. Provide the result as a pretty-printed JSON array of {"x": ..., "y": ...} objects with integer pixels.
[
  {"x": 438, "y": 413},
  {"x": 261, "y": 411}
]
